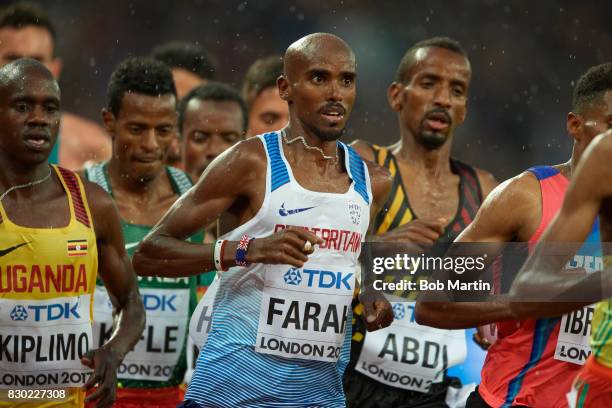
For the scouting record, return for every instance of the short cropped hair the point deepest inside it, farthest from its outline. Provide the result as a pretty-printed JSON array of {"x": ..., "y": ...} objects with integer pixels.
[
  {"x": 138, "y": 75},
  {"x": 24, "y": 14},
  {"x": 260, "y": 76},
  {"x": 436, "y": 42},
  {"x": 592, "y": 85},
  {"x": 216, "y": 92},
  {"x": 188, "y": 56}
]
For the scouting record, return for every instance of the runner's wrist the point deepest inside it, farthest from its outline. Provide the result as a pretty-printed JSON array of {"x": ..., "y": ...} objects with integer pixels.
[{"x": 229, "y": 254}]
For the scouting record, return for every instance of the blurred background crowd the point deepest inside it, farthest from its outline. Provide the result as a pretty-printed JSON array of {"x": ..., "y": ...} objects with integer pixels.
[{"x": 525, "y": 57}]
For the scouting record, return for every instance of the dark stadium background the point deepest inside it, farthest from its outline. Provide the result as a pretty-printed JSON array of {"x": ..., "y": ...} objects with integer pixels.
[{"x": 525, "y": 56}]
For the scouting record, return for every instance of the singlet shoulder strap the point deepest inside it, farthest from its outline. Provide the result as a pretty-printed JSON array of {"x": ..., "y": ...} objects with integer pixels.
[
  {"x": 279, "y": 174},
  {"x": 382, "y": 155},
  {"x": 357, "y": 171},
  {"x": 471, "y": 184},
  {"x": 180, "y": 179},
  {"x": 79, "y": 202},
  {"x": 543, "y": 172},
  {"x": 95, "y": 174}
]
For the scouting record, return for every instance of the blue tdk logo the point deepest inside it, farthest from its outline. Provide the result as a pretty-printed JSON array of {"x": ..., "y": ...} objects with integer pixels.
[
  {"x": 162, "y": 303},
  {"x": 293, "y": 277},
  {"x": 399, "y": 311},
  {"x": 283, "y": 212},
  {"x": 328, "y": 279},
  {"x": 55, "y": 311},
  {"x": 19, "y": 313}
]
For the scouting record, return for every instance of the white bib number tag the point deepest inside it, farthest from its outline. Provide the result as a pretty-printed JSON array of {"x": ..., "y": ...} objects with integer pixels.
[
  {"x": 157, "y": 353},
  {"x": 304, "y": 311},
  {"x": 573, "y": 343},
  {"x": 410, "y": 356},
  {"x": 42, "y": 342},
  {"x": 201, "y": 319}
]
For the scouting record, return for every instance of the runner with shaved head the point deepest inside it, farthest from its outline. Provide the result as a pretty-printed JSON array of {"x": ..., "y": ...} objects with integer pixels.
[
  {"x": 293, "y": 209},
  {"x": 57, "y": 233}
]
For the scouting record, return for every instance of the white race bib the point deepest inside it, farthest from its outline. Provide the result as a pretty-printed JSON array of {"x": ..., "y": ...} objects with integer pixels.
[
  {"x": 304, "y": 311},
  {"x": 574, "y": 333},
  {"x": 42, "y": 342},
  {"x": 201, "y": 319},
  {"x": 410, "y": 356},
  {"x": 157, "y": 353}
]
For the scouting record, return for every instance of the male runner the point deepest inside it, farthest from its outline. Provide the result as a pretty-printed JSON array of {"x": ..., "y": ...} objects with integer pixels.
[
  {"x": 587, "y": 198},
  {"x": 526, "y": 365},
  {"x": 434, "y": 197},
  {"x": 141, "y": 118},
  {"x": 279, "y": 333},
  {"x": 212, "y": 118},
  {"x": 267, "y": 111},
  {"x": 27, "y": 31},
  {"x": 56, "y": 233},
  {"x": 191, "y": 65}
]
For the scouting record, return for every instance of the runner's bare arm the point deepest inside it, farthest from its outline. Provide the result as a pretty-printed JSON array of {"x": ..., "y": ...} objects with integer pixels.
[
  {"x": 500, "y": 219},
  {"x": 377, "y": 309},
  {"x": 543, "y": 274},
  {"x": 487, "y": 182},
  {"x": 363, "y": 149},
  {"x": 234, "y": 183},
  {"x": 418, "y": 231},
  {"x": 120, "y": 280}
]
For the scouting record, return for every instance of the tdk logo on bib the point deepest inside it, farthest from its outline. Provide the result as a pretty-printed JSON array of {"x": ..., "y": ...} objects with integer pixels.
[
  {"x": 163, "y": 303},
  {"x": 318, "y": 279},
  {"x": 328, "y": 279},
  {"x": 293, "y": 277},
  {"x": 49, "y": 313},
  {"x": 399, "y": 311},
  {"x": 19, "y": 313}
]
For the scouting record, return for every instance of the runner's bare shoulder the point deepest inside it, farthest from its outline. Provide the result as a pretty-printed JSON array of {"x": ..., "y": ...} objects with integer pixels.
[
  {"x": 363, "y": 148},
  {"x": 239, "y": 171}
]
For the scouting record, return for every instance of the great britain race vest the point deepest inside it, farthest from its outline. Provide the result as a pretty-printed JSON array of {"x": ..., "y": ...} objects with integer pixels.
[
  {"x": 280, "y": 336},
  {"x": 47, "y": 280}
]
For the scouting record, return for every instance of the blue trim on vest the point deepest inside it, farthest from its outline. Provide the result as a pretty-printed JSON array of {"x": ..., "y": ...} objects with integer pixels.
[
  {"x": 543, "y": 172},
  {"x": 542, "y": 332},
  {"x": 280, "y": 175},
  {"x": 357, "y": 169}
]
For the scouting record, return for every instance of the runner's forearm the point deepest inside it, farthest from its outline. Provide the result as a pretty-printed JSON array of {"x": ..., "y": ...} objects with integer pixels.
[
  {"x": 130, "y": 324},
  {"x": 462, "y": 315},
  {"x": 161, "y": 255}
]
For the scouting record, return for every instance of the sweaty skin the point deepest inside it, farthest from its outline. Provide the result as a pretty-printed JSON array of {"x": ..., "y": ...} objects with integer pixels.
[
  {"x": 267, "y": 113},
  {"x": 209, "y": 128},
  {"x": 512, "y": 212},
  {"x": 142, "y": 133},
  {"x": 81, "y": 140},
  {"x": 319, "y": 87},
  {"x": 586, "y": 198},
  {"x": 30, "y": 109},
  {"x": 438, "y": 81}
]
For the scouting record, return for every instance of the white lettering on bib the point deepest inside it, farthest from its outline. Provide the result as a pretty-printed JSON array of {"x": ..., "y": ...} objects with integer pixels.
[{"x": 199, "y": 325}]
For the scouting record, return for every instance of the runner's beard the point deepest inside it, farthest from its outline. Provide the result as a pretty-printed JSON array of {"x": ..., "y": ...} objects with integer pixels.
[
  {"x": 432, "y": 140},
  {"x": 326, "y": 136}
]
